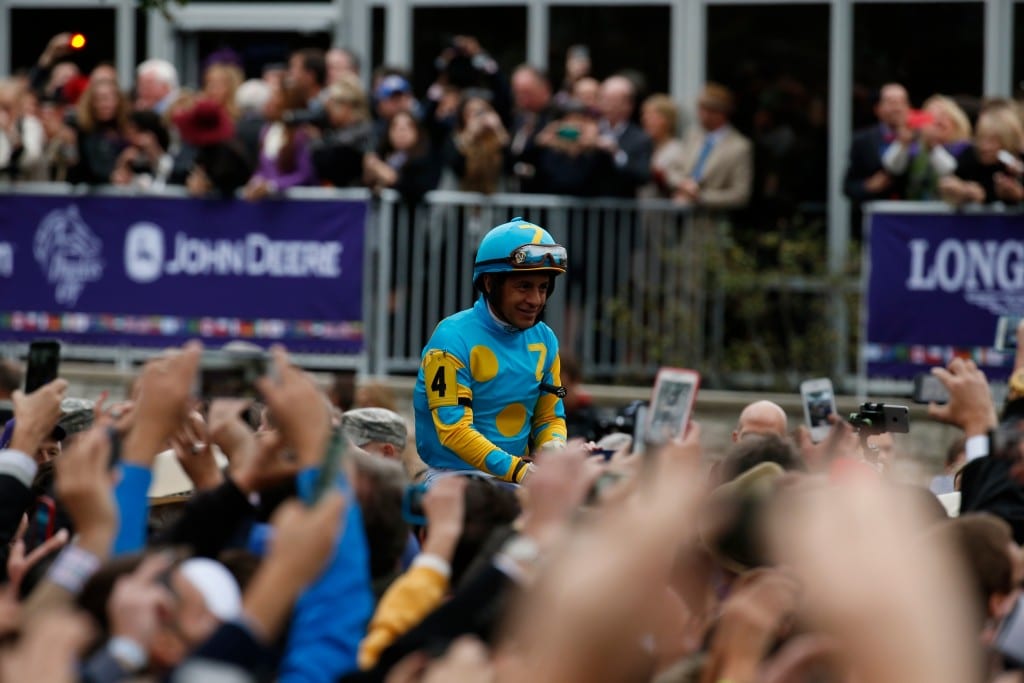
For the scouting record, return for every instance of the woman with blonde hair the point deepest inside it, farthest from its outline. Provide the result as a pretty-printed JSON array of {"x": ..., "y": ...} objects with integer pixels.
[
  {"x": 101, "y": 119},
  {"x": 220, "y": 82},
  {"x": 928, "y": 152},
  {"x": 991, "y": 168},
  {"x": 660, "y": 119}
]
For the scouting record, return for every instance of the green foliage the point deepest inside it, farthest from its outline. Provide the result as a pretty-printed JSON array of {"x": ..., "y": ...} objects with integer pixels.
[{"x": 763, "y": 313}]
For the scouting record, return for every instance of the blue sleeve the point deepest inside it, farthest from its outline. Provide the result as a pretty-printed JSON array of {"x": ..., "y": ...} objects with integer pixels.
[
  {"x": 331, "y": 616},
  {"x": 259, "y": 538},
  {"x": 132, "y": 507}
]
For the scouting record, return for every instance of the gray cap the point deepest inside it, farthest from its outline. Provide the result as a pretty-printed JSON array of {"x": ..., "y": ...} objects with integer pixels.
[
  {"x": 364, "y": 425},
  {"x": 76, "y": 415}
]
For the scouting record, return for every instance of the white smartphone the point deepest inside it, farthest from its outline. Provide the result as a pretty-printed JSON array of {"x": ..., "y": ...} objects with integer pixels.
[
  {"x": 675, "y": 391},
  {"x": 1006, "y": 332},
  {"x": 819, "y": 401}
]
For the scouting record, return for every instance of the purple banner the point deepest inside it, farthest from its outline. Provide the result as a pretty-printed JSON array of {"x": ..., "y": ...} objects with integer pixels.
[
  {"x": 155, "y": 272},
  {"x": 938, "y": 284}
]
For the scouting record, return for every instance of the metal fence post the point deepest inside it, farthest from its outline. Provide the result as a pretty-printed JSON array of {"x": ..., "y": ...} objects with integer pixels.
[{"x": 382, "y": 332}]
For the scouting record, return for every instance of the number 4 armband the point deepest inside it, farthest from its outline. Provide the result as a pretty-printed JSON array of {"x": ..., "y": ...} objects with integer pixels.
[{"x": 439, "y": 375}]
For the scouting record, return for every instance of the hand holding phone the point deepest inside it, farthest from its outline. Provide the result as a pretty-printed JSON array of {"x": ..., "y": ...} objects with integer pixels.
[
  {"x": 43, "y": 363},
  {"x": 675, "y": 391},
  {"x": 819, "y": 401}
]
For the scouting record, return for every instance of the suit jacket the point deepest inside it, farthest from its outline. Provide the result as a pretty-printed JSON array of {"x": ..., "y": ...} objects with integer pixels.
[
  {"x": 866, "y": 160},
  {"x": 626, "y": 179},
  {"x": 728, "y": 174}
]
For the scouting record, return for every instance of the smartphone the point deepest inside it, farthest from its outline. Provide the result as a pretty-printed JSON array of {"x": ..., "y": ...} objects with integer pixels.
[
  {"x": 412, "y": 504},
  {"x": 337, "y": 445},
  {"x": 1010, "y": 638},
  {"x": 1006, "y": 332},
  {"x": 231, "y": 374},
  {"x": 929, "y": 389},
  {"x": 675, "y": 390},
  {"x": 43, "y": 363},
  {"x": 570, "y": 133},
  {"x": 819, "y": 401},
  {"x": 1013, "y": 164}
]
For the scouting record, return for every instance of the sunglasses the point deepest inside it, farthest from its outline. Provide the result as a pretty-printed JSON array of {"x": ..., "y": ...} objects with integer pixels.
[{"x": 535, "y": 256}]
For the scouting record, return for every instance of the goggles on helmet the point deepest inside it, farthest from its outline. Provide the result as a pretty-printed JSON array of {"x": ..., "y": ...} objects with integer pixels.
[{"x": 530, "y": 256}]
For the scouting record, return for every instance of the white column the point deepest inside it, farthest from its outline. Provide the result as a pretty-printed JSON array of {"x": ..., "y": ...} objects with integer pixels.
[
  {"x": 687, "y": 51},
  {"x": 398, "y": 34},
  {"x": 537, "y": 33},
  {"x": 998, "y": 47},
  {"x": 353, "y": 29},
  {"x": 840, "y": 88},
  {"x": 5, "y": 39},
  {"x": 125, "y": 42}
]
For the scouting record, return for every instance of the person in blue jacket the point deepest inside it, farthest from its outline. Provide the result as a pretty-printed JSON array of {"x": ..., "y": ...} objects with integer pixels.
[{"x": 488, "y": 392}]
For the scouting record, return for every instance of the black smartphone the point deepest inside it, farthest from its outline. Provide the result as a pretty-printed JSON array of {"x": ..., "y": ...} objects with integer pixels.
[
  {"x": 43, "y": 363},
  {"x": 231, "y": 374},
  {"x": 929, "y": 389}
]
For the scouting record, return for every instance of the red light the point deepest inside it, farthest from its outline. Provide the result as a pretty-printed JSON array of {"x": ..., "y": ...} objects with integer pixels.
[{"x": 78, "y": 41}]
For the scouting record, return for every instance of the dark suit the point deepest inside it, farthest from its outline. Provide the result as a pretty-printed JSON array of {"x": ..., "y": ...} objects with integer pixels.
[
  {"x": 866, "y": 160},
  {"x": 625, "y": 179}
]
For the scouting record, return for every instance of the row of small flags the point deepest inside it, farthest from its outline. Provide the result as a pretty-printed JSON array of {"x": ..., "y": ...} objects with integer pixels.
[
  {"x": 173, "y": 326},
  {"x": 936, "y": 355}
]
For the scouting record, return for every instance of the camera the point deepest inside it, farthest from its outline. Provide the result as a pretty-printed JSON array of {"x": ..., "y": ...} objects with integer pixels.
[
  {"x": 880, "y": 418},
  {"x": 298, "y": 117}
]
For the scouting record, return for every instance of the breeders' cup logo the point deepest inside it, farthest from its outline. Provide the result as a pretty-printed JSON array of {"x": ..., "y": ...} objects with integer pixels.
[{"x": 68, "y": 253}]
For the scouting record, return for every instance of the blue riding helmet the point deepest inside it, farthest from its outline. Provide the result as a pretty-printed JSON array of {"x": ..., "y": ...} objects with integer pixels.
[{"x": 519, "y": 246}]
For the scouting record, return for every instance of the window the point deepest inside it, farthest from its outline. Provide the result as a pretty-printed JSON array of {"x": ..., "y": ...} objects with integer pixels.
[
  {"x": 633, "y": 38},
  {"x": 500, "y": 30},
  {"x": 929, "y": 48}
]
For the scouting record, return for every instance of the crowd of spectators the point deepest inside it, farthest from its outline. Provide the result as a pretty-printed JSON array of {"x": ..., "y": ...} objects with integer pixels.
[
  {"x": 171, "y": 537},
  {"x": 476, "y": 128},
  {"x": 316, "y": 123},
  {"x": 935, "y": 153}
]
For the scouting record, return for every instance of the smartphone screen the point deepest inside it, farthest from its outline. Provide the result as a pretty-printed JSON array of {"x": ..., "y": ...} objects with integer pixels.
[
  {"x": 671, "y": 404},
  {"x": 929, "y": 389},
  {"x": 819, "y": 401},
  {"x": 1006, "y": 332},
  {"x": 43, "y": 364}
]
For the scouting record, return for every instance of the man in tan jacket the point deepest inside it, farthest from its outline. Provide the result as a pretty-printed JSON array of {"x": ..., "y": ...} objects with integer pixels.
[{"x": 717, "y": 166}]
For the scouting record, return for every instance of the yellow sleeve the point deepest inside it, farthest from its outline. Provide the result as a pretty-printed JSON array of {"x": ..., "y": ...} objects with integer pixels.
[
  {"x": 549, "y": 416},
  {"x": 410, "y": 598}
]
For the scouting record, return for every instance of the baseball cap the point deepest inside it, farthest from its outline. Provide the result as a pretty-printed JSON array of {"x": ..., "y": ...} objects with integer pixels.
[
  {"x": 76, "y": 415},
  {"x": 392, "y": 85},
  {"x": 364, "y": 425}
]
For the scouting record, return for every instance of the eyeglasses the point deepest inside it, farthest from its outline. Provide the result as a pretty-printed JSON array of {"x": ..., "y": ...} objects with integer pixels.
[{"x": 535, "y": 256}]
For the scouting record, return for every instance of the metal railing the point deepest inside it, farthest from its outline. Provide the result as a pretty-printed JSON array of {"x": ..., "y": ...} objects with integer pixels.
[{"x": 650, "y": 283}]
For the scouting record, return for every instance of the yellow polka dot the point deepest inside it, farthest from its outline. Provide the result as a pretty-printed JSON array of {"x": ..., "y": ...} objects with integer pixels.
[
  {"x": 483, "y": 364},
  {"x": 510, "y": 421}
]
